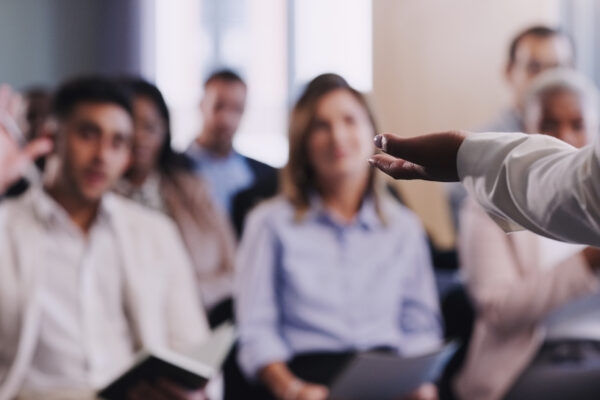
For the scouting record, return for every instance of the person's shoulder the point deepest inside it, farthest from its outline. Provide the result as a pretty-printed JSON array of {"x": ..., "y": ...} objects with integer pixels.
[
  {"x": 509, "y": 120},
  {"x": 397, "y": 215},
  {"x": 136, "y": 214},
  {"x": 16, "y": 207},
  {"x": 184, "y": 180},
  {"x": 259, "y": 167},
  {"x": 272, "y": 211}
]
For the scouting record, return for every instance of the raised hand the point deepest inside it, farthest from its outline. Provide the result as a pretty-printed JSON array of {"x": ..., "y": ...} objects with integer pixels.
[
  {"x": 15, "y": 160},
  {"x": 429, "y": 157}
]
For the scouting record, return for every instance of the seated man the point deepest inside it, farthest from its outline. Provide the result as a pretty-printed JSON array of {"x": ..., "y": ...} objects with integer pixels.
[
  {"x": 87, "y": 278},
  {"x": 237, "y": 183}
]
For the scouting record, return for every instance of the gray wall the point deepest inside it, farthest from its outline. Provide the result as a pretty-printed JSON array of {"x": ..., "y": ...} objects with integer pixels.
[{"x": 43, "y": 42}]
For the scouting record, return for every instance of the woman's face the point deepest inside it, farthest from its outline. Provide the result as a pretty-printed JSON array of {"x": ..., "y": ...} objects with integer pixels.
[
  {"x": 562, "y": 115},
  {"x": 341, "y": 138},
  {"x": 150, "y": 134}
]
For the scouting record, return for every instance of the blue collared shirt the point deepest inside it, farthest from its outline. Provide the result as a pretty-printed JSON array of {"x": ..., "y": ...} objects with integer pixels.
[
  {"x": 321, "y": 285},
  {"x": 226, "y": 176}
]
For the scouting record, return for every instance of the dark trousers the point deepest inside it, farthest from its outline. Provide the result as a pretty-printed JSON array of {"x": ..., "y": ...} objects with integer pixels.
[
  {"x": 568, "y": 369},
  {"x": 321, "y": 368}
]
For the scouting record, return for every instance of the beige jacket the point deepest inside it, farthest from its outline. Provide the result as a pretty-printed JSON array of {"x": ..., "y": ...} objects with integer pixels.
[
  {"x": 161, "y": 301},
  {"x": 512, "y": 296},
  {"x": 206, "y": 232}
]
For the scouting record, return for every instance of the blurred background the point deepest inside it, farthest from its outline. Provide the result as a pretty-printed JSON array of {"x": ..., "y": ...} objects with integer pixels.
[{"x": 426, "y": 65}]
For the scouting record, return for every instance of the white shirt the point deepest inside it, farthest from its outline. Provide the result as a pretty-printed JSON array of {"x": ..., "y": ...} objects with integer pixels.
[
  {"x": 536, "y": 182},
  {"x": 84, "y": 336}
]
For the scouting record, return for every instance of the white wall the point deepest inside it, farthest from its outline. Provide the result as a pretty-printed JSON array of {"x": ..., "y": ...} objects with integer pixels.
[{"x": 439, "y": 64}]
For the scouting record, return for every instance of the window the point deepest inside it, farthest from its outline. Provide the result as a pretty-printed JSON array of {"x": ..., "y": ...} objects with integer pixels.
[{"x": 277, "y": 46}]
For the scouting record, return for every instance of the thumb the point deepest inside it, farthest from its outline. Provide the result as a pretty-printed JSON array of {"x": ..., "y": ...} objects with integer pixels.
[{"x": 36, "y": 148}]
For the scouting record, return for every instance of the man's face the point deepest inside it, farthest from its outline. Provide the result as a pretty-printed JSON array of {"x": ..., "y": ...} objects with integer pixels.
[
  {"x": 222, "y": 108},
  {"x": 533, "y": 56},
  {"x": 94, "y": 148}
]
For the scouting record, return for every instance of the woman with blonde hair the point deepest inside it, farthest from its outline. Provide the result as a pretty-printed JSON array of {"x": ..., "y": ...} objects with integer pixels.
[{"x": 333, "y": 266}]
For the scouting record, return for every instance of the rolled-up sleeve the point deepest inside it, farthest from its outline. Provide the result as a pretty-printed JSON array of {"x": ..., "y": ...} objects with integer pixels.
[
  {"x": 257, "y": 313},
  {"x": 536, "y": 181}
]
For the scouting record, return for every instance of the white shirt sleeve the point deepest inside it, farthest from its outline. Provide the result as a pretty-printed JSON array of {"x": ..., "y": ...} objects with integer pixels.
[{"x": 536, "y": 182}]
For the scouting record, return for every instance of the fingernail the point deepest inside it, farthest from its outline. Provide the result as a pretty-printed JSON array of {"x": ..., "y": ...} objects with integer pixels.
[
  {"x": 371, "y": 161},
  {"x": 378, "y": 141}
]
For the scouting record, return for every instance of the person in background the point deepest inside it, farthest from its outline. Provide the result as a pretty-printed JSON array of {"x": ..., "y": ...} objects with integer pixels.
[
  {"x": 163, "y": 180},
  {"x": 310, "y": 289},
  {"x": 531, "y": 52},
  {"x": 237, "y": 183},
  {"x": 519, "y": 281},
  {"x": 105, "y": 277}
]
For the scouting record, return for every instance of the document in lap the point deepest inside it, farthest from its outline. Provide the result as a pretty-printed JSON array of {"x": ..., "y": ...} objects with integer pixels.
[
  {"x": 191, "y": 369},
  {"x": 383, "y": 376}
]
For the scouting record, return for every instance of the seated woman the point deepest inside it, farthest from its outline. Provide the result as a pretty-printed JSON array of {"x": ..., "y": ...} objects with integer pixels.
[
  {"x": 162, "y": 179},
  {"x": 332, "y": 266},
  {"x": 522, "y": 346}
]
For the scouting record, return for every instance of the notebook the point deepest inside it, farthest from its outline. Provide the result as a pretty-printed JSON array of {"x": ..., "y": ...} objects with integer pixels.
[{"x": 191, "y": 369}]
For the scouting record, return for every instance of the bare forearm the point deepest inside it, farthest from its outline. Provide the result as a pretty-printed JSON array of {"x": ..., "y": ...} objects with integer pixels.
[{"x": 279, "y": 379}]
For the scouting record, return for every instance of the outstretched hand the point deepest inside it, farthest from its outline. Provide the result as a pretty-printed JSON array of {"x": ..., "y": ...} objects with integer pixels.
[
  {"x": 15, "y": 160},
  {"x": 429, "y": 157}
]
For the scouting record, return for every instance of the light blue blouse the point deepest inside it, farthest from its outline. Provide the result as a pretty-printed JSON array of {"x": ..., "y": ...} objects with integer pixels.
[{"x": 321, "y": 285}]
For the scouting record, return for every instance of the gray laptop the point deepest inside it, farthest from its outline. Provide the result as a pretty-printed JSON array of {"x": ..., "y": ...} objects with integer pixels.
[{"x": 381, "y": 376}]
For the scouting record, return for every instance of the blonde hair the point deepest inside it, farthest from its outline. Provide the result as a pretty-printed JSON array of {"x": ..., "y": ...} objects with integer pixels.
[{"x": 297, "y": 177}]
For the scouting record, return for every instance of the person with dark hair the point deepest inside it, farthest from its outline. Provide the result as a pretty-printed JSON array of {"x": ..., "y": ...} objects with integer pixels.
[
  {"x": 163, "y": 179},
  {"x": 309, "y": 291},
  {"x": 104, "y": 278},
  {"x": 236, "y": 182}
]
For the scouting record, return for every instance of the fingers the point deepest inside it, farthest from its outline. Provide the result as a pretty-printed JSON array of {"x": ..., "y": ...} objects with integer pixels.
[
  {"x": 398, "y": 168},
  {"x": 37, "y": 148},
  {"x": 176, "y": 392},
  {"x": 160, "y": 390},
  {"x": 5, "y": 96},
  {"x": 429, "y": 157},
  {"x": 145, "y": 391},
  {"x": 313, "y": 392},
  {"x": 424, "y": 150}
]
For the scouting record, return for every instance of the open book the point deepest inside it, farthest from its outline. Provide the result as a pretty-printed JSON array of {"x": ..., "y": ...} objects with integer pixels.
[
  {"x": 191, "y": 369},
  {"x": 384, "y": 376}
]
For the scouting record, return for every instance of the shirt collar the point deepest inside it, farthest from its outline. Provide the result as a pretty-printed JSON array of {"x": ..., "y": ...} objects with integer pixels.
[
  {"x": 198, "y": 153},
  {"x": 49, "y": 211},
  {"x": 367, "y": 217}
]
